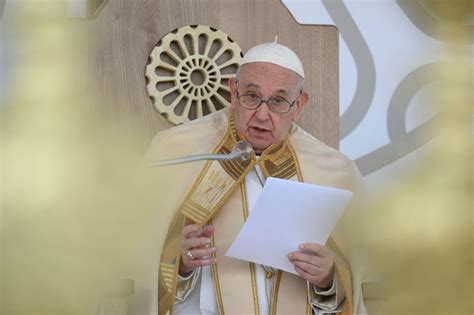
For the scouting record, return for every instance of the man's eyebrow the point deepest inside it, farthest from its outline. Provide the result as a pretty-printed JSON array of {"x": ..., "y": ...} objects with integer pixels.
[
  {"x": 283, "y": 91},
  {"x": 255, "y": 86},
  {"x": 251, "y": 85}
]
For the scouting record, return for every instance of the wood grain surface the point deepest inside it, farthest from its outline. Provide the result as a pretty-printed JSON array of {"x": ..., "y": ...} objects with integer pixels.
[{"x": 126, "y": 31}]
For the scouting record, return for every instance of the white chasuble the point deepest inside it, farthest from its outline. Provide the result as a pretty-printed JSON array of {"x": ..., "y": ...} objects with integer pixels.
[{"x": 223, "y": 193}]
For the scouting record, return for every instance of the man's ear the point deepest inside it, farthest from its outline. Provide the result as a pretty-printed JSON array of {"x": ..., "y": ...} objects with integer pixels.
[
  {"x": 233, "y": 92},
  {"x": 302, "y": 101}
]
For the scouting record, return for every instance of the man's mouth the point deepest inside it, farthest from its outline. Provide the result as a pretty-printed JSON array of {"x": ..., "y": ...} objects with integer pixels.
[
  {"x": 259, "y": 128},
  {"x": 258, "y": 131}
]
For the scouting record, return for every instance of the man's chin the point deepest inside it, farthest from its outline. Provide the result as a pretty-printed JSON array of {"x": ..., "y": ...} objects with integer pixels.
[
  {"x": 258, "y": 143},
  {"x": 258, "y": 147}
]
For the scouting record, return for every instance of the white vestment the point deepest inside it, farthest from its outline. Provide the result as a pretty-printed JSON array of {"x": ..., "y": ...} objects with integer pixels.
[{"x": 319, "y": 164}]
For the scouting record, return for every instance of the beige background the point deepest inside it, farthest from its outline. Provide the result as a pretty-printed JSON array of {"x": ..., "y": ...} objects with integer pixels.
[{"x": 127, "y": 31}]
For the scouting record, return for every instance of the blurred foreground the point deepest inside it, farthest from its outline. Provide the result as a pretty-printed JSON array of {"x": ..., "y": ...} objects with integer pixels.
[{"x": 76, "y": 215}]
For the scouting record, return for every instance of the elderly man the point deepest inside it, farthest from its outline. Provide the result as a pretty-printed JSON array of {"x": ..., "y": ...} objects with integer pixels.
[{"x": 195, "y": 276}]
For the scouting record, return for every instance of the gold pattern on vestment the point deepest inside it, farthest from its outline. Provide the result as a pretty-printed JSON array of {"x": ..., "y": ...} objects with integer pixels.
[
  {"x": 216, "y": 182},
  {"x": 167, "y": 271}
]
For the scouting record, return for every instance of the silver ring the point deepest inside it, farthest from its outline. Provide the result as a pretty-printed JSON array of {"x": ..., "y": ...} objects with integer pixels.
[{"x": 190, "y": 255}]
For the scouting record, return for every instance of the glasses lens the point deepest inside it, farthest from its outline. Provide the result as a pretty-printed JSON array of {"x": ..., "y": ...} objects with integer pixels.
[
  {"x": 279, "y": 105},
  {"x": 249, "y": 100},
  {"x": 276, "y": 104}
]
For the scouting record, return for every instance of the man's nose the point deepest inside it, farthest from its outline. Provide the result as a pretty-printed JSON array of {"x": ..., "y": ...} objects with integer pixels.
[{"x": 263, "y": 112}]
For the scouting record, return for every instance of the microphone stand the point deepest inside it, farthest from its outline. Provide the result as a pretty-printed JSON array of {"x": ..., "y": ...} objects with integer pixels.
[{"x": 242, "y": 150}]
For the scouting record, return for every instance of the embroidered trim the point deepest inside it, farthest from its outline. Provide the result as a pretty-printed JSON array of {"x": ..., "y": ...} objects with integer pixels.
[
  {"x": 309, "y": 309},
  {"x": 253, "y": 274},
  {"x": 167, "y": 272},
  {"x": 215, "y": 278},
  {"x": 211, "y": 189},
  {"x": 297, "y": 163},
  {"x": 273, "y": 308}
]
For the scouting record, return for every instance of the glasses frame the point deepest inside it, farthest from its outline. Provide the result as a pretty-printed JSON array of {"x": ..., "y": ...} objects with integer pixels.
[{"x": 267, "y": 102}]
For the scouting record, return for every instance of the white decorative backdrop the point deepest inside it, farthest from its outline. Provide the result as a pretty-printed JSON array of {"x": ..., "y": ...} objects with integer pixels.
[{"x": 388, "y": 50}]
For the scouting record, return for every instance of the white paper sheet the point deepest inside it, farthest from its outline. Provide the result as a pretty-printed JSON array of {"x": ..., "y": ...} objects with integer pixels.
[{"x": 287, "y": 214}]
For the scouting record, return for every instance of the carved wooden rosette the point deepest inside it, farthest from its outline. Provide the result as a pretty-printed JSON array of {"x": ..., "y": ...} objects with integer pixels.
[{"x": 188, "y": 72}]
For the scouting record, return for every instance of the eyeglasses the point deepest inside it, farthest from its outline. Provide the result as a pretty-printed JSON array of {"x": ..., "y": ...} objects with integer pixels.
[{"x": 276, "y": 104}]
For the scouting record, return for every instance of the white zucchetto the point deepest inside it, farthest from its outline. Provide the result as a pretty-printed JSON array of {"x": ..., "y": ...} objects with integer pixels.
[{"x": 276, "y": 54}]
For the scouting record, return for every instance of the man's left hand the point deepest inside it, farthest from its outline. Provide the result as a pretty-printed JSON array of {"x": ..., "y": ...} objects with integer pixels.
[{"x": 314, "y": 263}]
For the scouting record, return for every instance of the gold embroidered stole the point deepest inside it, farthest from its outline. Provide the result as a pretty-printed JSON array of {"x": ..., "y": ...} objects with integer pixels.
[
  {"x": 215, "y": 196},
  {"x": 212, "y": 188}
]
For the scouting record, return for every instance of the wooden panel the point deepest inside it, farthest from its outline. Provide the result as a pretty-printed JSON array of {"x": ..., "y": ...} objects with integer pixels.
[{"x": 128, "y": 30}]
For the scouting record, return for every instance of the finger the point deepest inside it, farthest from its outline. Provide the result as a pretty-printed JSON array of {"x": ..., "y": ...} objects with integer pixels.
[
  {"x": 317, "y": 249},
  {"x": 193, "y": 264},
  {"x": 186, "y": 265},
  {"x": 189, "y": 230},
  {"x": 308, "y": 268},
  {"x": 207, "y": 231},
  {"x": 305, "y": 275},
  {"x": 200, "y": 253},
  {"x": 190, "y": 243},
  {"x": 316, "y": 261}
]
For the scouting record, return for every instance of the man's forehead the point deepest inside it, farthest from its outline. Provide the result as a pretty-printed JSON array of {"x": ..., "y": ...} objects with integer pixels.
[
  {"x": 257, "y": 87},
  {"x": 258, "y": 75},
  {"x": 266, "y": 67}
]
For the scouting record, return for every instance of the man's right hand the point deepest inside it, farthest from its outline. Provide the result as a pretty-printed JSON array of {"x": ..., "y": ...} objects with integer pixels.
[{"x": 198, "y": 242}]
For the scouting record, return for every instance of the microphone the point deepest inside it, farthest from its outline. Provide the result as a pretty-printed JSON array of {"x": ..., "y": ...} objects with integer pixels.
[{"x": 242, "y": 150}]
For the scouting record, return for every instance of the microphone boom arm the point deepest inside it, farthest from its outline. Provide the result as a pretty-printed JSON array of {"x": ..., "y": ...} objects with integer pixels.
[{"x": 242, "y": 150}]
